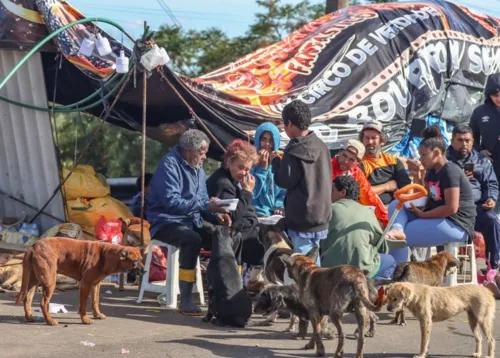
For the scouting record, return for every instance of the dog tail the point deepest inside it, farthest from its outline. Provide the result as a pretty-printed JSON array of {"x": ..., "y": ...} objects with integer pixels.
[
  {"x": 363, "y": 294},
  {"x": 26, "y": 276}
]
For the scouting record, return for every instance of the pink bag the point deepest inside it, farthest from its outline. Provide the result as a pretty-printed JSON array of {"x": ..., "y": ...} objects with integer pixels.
[
  {"x": 109, "y": 230},
  {"x": 158, "y": 268}
]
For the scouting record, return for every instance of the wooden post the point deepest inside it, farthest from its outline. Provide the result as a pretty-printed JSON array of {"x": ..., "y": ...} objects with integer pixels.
[{"x": 334, "y": 5}]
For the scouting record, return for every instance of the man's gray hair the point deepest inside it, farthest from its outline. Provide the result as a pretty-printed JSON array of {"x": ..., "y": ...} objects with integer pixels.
[{"x": 193, "y": 139}]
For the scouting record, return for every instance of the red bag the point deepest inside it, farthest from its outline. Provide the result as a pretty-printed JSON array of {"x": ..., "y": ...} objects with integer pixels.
[
  {"x": 158, "y": 268},
  {"x": 109, "y": 230}
]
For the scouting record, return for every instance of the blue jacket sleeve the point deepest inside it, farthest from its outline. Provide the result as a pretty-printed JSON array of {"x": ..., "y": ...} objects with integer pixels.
[
  {"x": 260, "y": 175},
  {"x": 171, "y": 197},
  {"x": 280, "y": 197},
  {"x": 489, "y": 182}
]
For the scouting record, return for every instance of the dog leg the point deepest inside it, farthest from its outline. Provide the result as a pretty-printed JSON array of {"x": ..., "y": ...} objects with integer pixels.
[
  {"x": 337, "y": 322},
  {"x": 95, "y": 301},
  {"x": 326, "y": 332},
  {"x": 303, "y": 323},
  {"x": 316, "y": 337},
  {"x": 291, "y": 325},
  {"x": 425, "y": 333},
  {"x": 486, "y": 327},
  {"x": 121, "y": 284},
  {"x": 84, "y": 295},
  {"x": 360, "y": 313},
  {"x": 477, "y": 334},
  {"x": 48, "y": 291},
  {"x": 373, "y": 324},
  {"x": 272, "y": 317},
  {"x": 9, "y": 283},
  {"x": 28, "y": 300}
]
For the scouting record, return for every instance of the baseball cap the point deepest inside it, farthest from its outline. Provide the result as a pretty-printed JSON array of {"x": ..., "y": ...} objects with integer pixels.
[
  {"x": 377, "y": 125},
  {"x": 357, "y": 145}
]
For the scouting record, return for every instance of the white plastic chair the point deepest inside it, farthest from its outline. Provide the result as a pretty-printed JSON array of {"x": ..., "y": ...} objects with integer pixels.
[
  {"x": 170, "y": 287},
  {"x": 453, "y": 248}
]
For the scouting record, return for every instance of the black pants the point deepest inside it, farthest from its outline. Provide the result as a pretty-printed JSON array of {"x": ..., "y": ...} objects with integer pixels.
[
  {"x": 488, "y": 224},
  {"x": 253, "y": 251},
  {"x": 190, "y": 241}
]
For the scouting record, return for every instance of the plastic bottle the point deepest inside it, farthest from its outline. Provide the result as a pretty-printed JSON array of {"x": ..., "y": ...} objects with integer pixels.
[{"x": 414, "y": 151}]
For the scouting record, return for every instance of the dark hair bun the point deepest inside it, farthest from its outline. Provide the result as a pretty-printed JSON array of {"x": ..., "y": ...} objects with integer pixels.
[{"x": 432, "y": 132}]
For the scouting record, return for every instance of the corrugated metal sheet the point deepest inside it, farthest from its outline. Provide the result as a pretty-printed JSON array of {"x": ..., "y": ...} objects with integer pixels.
[{"x": 28, "y": 165}]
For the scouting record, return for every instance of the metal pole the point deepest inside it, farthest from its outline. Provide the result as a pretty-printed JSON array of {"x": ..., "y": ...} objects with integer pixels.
[{"x": 143, "y": 164}]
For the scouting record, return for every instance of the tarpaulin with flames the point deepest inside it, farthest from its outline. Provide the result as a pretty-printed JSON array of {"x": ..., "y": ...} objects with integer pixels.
[{"x": 399, "y": 63}]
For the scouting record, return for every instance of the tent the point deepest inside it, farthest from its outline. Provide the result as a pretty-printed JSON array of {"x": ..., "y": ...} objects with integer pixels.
[{"x": 398, "y": 62}]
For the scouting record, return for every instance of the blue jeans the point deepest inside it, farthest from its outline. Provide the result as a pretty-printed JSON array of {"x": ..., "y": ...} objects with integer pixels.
[
  {"x": 387, "y": 267},
  {"x": 303, "y": 246},
  {"x": 423, "y": 232}
]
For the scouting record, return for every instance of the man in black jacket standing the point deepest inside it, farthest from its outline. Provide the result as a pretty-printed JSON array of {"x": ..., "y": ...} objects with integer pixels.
[
  {"x": 485, "y": 123},
  {"x": 305, "y": 172}
]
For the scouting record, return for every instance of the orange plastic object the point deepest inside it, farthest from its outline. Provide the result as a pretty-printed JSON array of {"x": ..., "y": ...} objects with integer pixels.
[{"x": 403, "y": 196}]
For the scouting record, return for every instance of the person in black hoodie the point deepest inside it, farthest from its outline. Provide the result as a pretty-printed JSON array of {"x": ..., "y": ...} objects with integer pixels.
[
  {"x": 306, "y": 172},
  {"x": 485, "y": 123},
  {"x": 234, "y": 181}
]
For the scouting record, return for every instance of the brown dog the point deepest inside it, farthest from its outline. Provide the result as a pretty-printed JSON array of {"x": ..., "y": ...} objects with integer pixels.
[
  {"x": 430, "y": 272},
  {"x": 85, "y": 261},
  {"x": 435, "y": 304},
  {"x": 332, "y": 291}
]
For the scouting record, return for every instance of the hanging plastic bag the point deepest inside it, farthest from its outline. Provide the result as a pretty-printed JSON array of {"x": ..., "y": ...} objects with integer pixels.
[
  {"x": 109, "y": 230},
  {"x": 158, "y": 268}
]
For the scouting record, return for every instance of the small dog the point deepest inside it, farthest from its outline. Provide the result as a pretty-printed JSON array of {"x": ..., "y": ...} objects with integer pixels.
[
  {"x": 275, "y": 297},
  {"x": 435, "y": 304},
  {"x": 85, "y": 261},
  {"x": 332, "y": 291},
  {"x": 276, "y": 245},
  {"x": 430, "y": 272},
  {"x": 228, "y": 301}
]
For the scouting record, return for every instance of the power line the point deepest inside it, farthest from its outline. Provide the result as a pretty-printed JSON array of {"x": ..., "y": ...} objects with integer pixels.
[{"x": 165, "y": 7}]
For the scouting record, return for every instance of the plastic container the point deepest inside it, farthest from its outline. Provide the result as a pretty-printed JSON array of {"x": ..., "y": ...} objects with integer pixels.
[
  {"x": 229, "y": 204},
  {"x": 122, "y": 63},
  {"x": 152, "y": 59},
  {"x": 414, "y": 151},
  {"x": 87, "y": 46},
  {"x": 103, "y": 46}
]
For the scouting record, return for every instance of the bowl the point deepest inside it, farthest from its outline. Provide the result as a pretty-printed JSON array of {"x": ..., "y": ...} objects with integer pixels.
[
  {"x": 419, "y": 203},
  {"x": 229, "y": 204}
]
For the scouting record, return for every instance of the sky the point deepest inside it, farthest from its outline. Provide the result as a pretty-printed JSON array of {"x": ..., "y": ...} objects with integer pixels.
[{"x": 231, "y": 16}]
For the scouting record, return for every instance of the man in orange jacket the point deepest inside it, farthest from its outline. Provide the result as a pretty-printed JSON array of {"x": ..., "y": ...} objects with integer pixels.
[{"x": 346, "y": 163}]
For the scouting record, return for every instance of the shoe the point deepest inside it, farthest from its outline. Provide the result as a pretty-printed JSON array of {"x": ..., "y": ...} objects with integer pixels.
[{"x": 187, "y": 306}]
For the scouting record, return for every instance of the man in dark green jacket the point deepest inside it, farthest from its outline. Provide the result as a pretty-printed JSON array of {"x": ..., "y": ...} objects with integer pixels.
[{"x": 354, "y": 234}]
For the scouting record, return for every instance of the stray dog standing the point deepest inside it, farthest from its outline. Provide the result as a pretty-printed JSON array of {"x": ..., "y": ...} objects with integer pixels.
[
  {"x": 430, "y": 272},
  {"x": 332, "y": 291},
  {"x": 435, "y": 304},
  {"x": 228, "y": 301},
  {"x": 85, "y": 261}
]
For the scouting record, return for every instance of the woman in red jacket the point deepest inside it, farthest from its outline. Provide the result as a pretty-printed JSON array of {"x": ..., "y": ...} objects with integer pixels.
[{"x": 346, "y": 163}]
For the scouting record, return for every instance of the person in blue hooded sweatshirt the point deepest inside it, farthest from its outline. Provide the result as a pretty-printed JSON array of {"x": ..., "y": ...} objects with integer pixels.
[{"x": 267, "y": 196}]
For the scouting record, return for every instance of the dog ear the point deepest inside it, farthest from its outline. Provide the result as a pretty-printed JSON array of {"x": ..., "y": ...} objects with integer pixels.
[
  {"x": 286, "y": 260},
  {"x": 313, "y": 254},
  {"x": 123, "y": 254}
]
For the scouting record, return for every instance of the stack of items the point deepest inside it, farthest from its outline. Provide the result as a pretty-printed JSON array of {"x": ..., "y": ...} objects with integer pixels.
[
  {"x": 88, "y": 198},
  {"x": 15, "y": 231}
]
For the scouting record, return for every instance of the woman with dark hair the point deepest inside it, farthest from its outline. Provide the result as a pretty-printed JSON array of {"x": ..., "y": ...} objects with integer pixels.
[
  {"x": 234, "y": 181},
  {"x": 449, "y": 215}
]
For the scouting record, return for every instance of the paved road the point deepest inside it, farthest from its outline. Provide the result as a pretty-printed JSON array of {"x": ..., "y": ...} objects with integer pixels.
[{"x": 149, "y": 331}]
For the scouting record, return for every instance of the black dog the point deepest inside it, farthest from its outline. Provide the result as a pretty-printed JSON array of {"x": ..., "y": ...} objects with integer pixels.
[{"x": 228, "y": 301}]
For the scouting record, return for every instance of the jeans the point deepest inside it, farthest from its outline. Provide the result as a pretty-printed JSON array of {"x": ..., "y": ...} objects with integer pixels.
[
  {"x": 303, "y": 246},
  {"x": 387, "y": 267},
  {"x": 488, "y": 224},
  {"x": 423, "y": 232}
]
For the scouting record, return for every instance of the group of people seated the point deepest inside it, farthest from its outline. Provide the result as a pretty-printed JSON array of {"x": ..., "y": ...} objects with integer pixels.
[{"x": 340, "y": 205}]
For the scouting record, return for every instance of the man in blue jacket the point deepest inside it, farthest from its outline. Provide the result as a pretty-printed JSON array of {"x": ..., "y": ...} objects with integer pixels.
[
  {"x": 177, "y": 203},
  {"x": 484, "y": 183}
]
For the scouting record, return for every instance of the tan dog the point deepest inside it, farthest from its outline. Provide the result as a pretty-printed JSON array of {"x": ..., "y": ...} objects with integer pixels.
[
  {"x": 131, "y": 230},
  {"x": 430, "y": 272},
  {"x": 332, "y": 291},
  {"x": 86, "y": 261},
  {"x": 11, "y": 271},
  {"x": 435, "y": 304}
]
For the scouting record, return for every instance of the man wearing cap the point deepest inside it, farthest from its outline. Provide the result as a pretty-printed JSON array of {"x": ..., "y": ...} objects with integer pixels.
[
  {"x": 385, "y": 172},
  {"x": 347, "y": 163}
]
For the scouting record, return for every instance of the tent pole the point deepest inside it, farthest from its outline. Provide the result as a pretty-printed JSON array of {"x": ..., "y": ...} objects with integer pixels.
[{"x": 143, "y": 161}]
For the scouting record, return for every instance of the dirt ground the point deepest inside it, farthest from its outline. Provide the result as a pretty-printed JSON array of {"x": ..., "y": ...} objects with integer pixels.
[{"x": 146, "y": 330}]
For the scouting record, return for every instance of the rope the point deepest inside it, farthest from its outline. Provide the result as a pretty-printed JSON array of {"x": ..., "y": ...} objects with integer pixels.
[
  {"x": 192, "y": 112},
  {"x": 143, "y": 159},
  {"x": 82, "y": 154}
]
